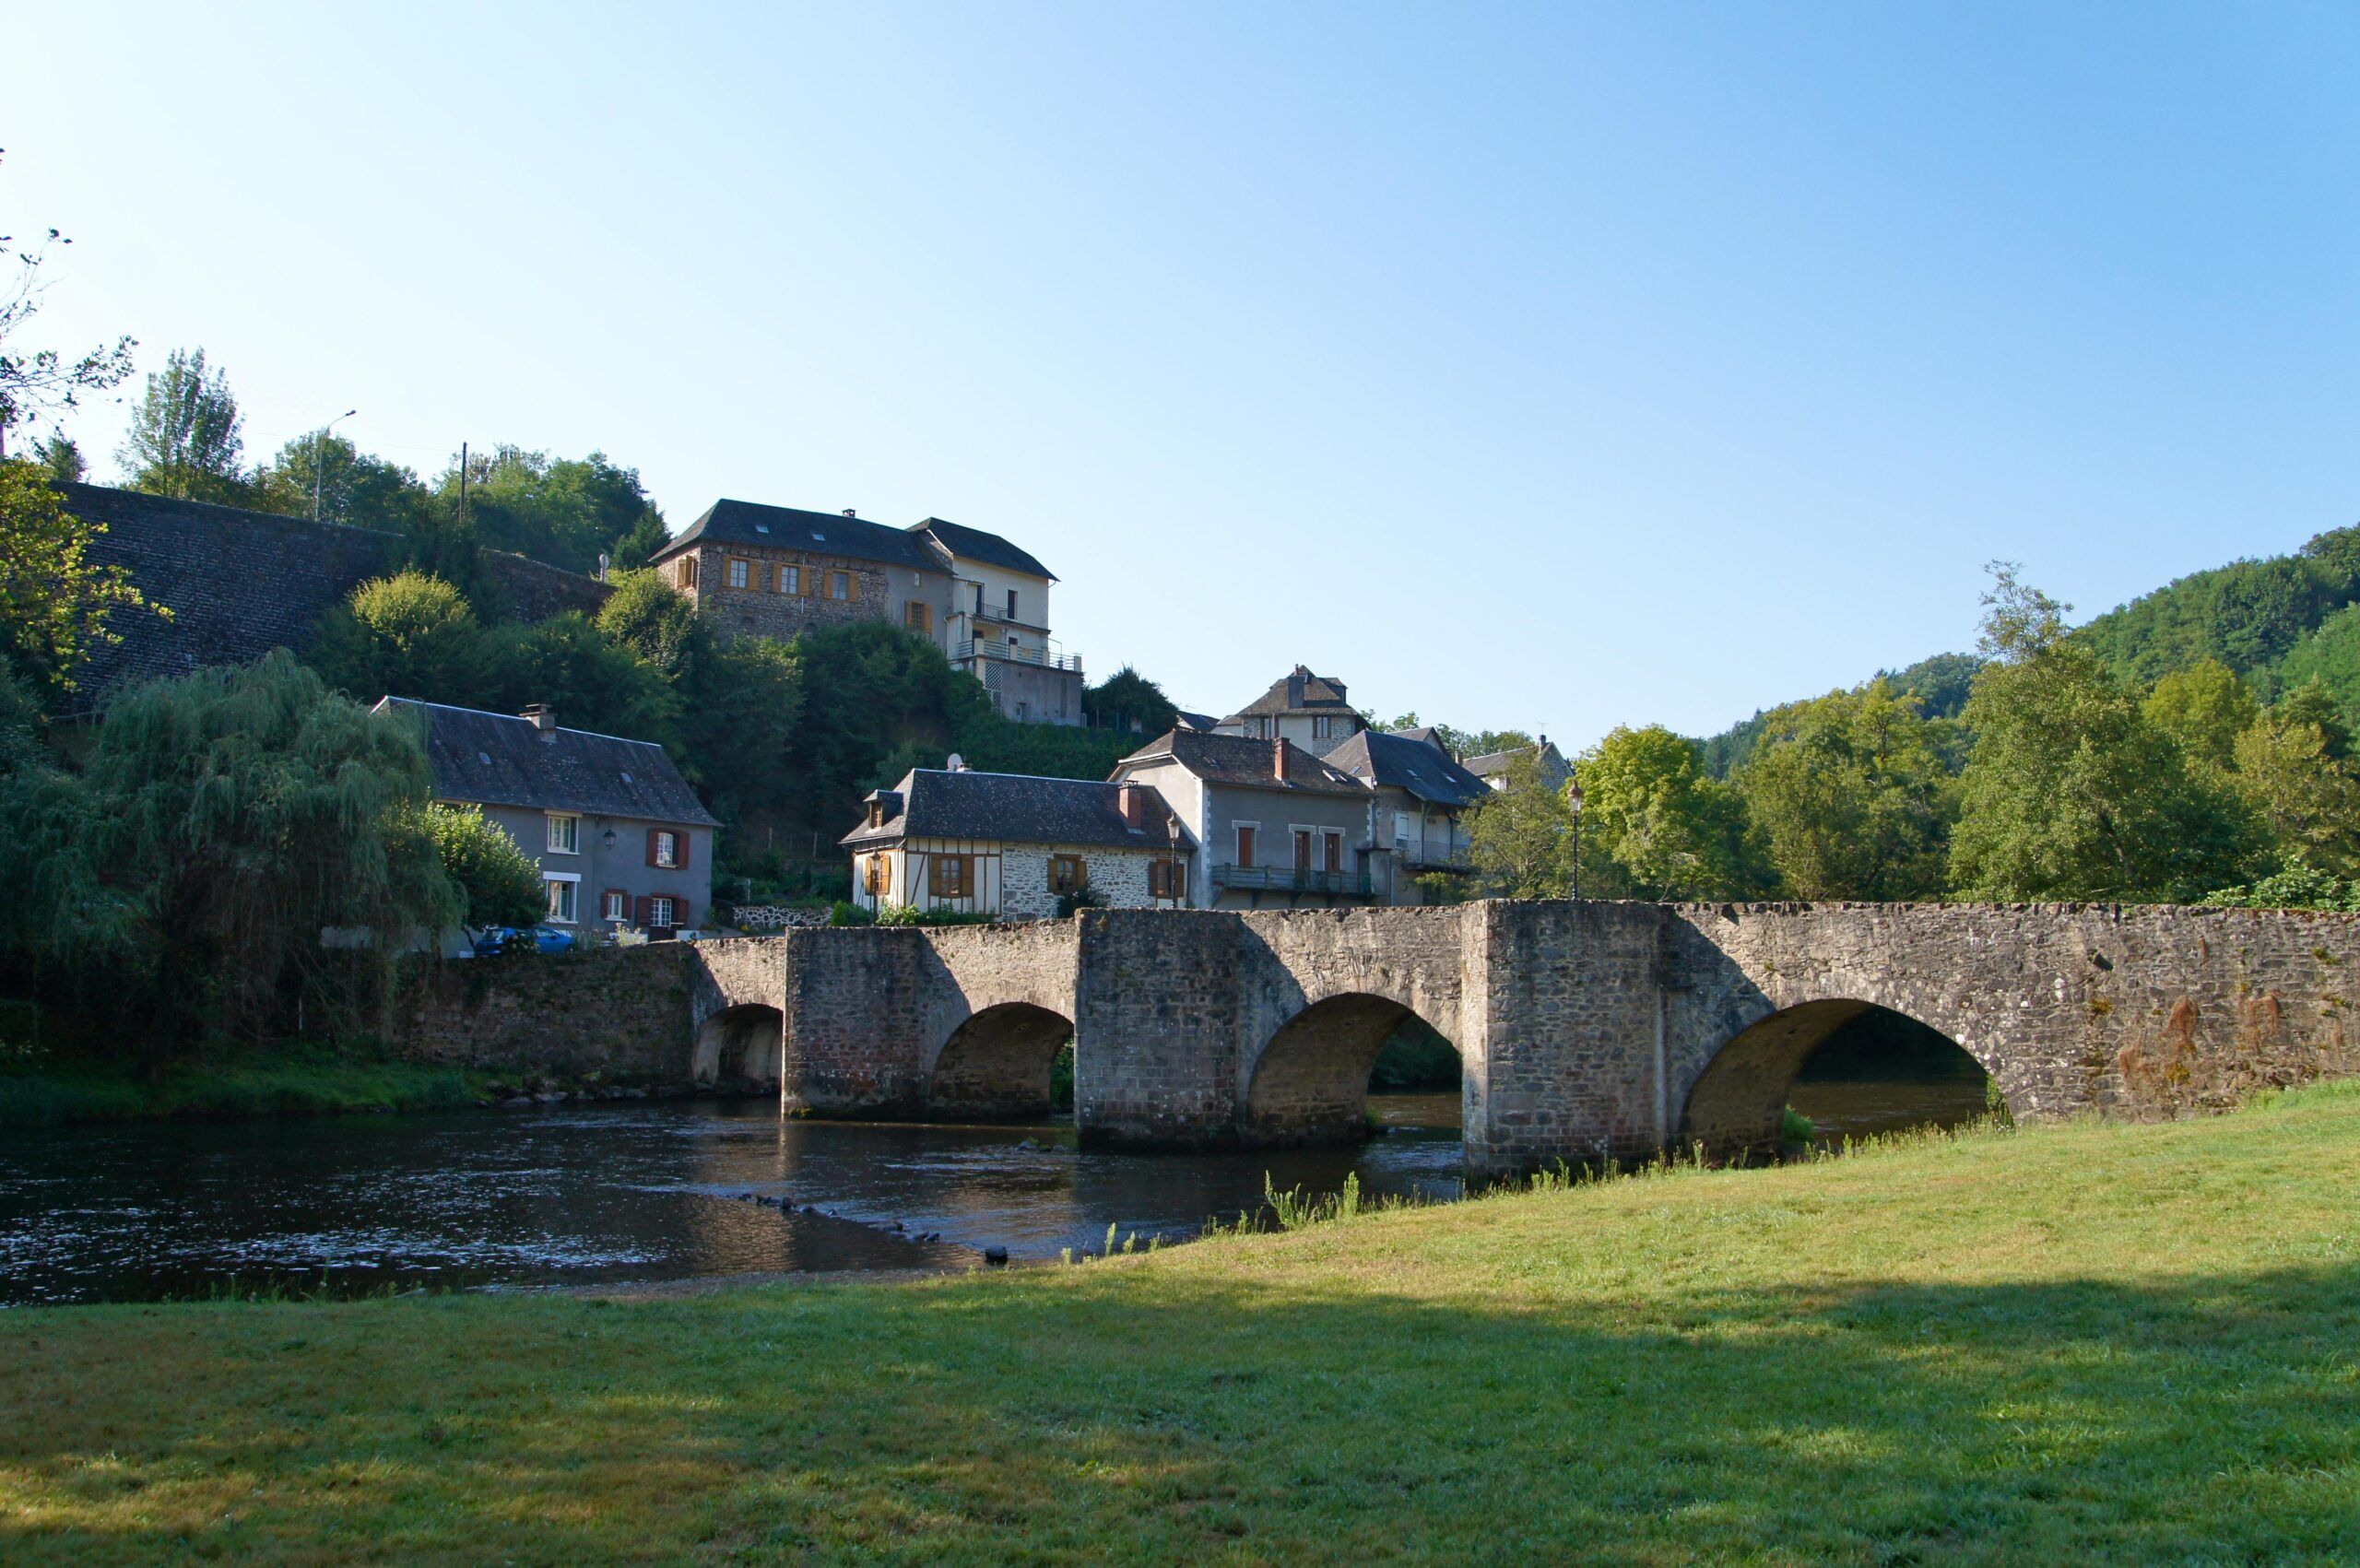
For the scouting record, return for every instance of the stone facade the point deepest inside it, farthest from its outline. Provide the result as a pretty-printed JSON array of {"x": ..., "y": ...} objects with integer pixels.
[
  {"x": 1586, "y": 1030},
  {"x": 1117, "y": 875},
  {"x": 873, "y": 590}
]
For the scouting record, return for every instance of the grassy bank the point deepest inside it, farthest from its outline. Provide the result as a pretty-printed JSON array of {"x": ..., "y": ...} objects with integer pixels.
[
  {"x": 2084, "y": 1343},
  {"x": 295, "y": 1080}
]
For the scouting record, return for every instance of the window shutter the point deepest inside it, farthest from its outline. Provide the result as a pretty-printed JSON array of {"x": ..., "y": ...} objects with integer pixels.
[
  {"x": 853, "y": 579},
  {"x": 651, "y": 846},
  {"x": 642, "y": 910},
  {"x": 681, "y": 912},
  {"x": 680, "y": 852}
]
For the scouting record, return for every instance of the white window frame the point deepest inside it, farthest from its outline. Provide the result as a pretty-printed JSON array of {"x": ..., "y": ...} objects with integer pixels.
[
  {"x": 663, "y": 837},
  {"x": 740, "y": 573},
  {"x": 621, "y": 903},
  {"x": 789, "y": 579},
  {"x": 661, "y": 907},
  {"x": 840, "y": 580},
  {"x": 1235, "y": 853},
  {"x": 573, "y": 819},
  {"x": 1311, "y": 830},
  {"x": 572, "y": 880},
  {"x": 1323, "y": 727}
]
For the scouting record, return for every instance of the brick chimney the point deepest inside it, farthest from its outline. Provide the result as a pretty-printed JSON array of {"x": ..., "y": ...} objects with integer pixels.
[
  {"x": 1278, "y": 757},
  {"x": 544, "y": 717},
  {"x": 1131, "y": 800}
]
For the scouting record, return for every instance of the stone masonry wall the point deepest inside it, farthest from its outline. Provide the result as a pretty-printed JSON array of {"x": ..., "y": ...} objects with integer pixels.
[
  {"x": 616, "y": 1012},
  {"x": 1117, "y": 875}
]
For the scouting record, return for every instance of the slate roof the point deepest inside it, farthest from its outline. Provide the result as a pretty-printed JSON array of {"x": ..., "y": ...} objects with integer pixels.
[
  {"x": 1299, "y": 691},
  {"x": 1197, "y": 721},
  {"x": 1492, "y": 764},
  {"x": 935, "y": 803},
  {"x": 240, "y": 583},
  {"x": 823, "y": 532},
  {"x": 1245, "y": 763},
  {"x": 976, "y": 545},
  {"x": 1426, "y": 733},
  {"x": 502, "y": 759},
  {"x": 1419, "y": 767}
]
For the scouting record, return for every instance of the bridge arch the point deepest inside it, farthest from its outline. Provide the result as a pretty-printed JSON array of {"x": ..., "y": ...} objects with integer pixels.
[
  {"x": 1309, "y": 1082},
  {"x": 996, "y": 1064},
  {"x": 744, "y": 1040},
  {"x": 1739, "y": 1101}
]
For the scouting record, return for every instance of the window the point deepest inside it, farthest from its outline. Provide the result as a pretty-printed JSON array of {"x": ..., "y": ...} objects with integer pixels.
[
  {"x": 659, "y": 910},
  {"x": 741, "y": 573},
  {"x": 921, "y": 619},
  {"x": 951, "y": 876},
  {"x": 688, "y": 571},
  {"x": 1323, "y": 727},
  {"x": 1335, "y": 856},
  {"x": 1068, "y": 873},
  {"x": 1245, "y": 832},
  {"x": 1011, "y": 604},
  {"x": 790, "y": 580},
  {"x": 561, "y": 896},
  {"x": 665, "y": 849},
  {"x": 614, "y": 904},
  {"x": 840, "y": 584},
  {"x": 565, "y": 833},
  {"x": 1164, "y": 879},
  {"x": 979, "y": 598},
  {"x": 1302, "y": 849},
  {"x": 877, "y": 874}
]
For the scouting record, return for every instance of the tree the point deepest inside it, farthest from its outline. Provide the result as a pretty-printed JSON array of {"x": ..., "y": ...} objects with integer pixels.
[
  {"x": 1655, "y": 826},
  {"x": 186, "y": 439},
  {"x": 497, "y": 882},
  {"x": 224, "y": 822},
  {"x": 2204, "y": 708},
  {"x": 567, "y": 513},
  {"x": 351, "y": 486},
  {"x": 53, "y": 600},
  {"x": 61, "y": 459},
  {"x": 592, "y": 681},
  {"x": 1521, "y": 839},
  {"x": 1129, "y": 700},
  {"x": 1850, "y": 792},
  {"x": 2072, "y": 792},
  {"x": 37, "y": 382},
  {"x": 2295, "y": 769},
  {"x": 655, "y": 620},
  {"x": 407, "y": 636}
]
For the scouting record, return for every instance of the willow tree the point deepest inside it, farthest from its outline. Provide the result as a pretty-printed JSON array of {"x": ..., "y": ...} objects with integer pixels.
[{"x": 243, "y": 855}]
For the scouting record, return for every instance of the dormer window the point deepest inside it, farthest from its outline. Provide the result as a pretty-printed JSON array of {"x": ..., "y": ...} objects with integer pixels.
[{"x": 875, "y": 813}]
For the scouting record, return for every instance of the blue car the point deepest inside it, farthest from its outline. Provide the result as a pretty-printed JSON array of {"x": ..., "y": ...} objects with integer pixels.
[{"x": 509, "y": 938}]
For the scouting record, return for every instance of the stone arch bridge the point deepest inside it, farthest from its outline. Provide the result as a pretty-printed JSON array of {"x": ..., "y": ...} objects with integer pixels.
[{"x": 1586, "y": 1030}]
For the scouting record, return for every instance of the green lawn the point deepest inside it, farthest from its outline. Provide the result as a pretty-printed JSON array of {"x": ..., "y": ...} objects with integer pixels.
[{"x": 2082, "y": 1343}]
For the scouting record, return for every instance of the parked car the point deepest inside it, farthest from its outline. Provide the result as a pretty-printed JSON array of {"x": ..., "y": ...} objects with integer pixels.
[{"x": 507, "y": 938}]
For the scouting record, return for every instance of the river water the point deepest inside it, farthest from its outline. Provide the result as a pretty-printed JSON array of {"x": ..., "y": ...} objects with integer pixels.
[{"x": 643, "y": 1191}]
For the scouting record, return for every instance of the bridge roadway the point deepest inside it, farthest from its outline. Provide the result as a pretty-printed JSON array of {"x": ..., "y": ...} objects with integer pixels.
[{"x": 1585, "y": 1030}]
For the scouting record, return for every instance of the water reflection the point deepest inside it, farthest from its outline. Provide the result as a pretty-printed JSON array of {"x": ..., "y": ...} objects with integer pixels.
[{"x": 583, "y": 1194}]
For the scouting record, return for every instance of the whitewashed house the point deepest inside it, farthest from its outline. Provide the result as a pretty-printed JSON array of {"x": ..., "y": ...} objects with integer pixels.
[{"x": 1014, "y": 846}]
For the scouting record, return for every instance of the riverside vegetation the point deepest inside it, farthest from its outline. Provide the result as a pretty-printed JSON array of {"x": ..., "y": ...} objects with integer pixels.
[{"x": 2088, "y": 1342}]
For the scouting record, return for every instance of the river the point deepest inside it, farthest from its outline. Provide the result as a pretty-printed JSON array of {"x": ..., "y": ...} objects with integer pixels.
[{"x": 644, "y": 1191}]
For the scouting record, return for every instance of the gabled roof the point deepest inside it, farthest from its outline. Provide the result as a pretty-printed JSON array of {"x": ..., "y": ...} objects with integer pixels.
[
  {"x": 976, "y": 545},
  {"x": 502, "y": 759},
  {"x": 1245, "y": 763},
  {"x": 822, "y": 533},
  {"x": 1426, "y": 733},
  {"x": 1492, "y": 764},
  {"x": 1299, "y": 691},
  {"x": 1419, "y": 767},
  {"x": 1196, "y": 721},
  {"x": 936, "y": 803}
]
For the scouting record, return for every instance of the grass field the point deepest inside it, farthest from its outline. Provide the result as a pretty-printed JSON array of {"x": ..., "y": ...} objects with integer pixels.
[
  {"x": 286, "y": 1079},
  {"x": 2087, "y": 1343}
]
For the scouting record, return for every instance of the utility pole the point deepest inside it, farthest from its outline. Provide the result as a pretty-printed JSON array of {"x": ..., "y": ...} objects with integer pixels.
[
  {"x": 463, "y": 487},
  {"x": 319, "y": 443}
]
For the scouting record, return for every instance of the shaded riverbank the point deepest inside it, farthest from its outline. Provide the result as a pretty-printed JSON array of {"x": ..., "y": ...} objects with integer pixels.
[{"x": 291, "y": 1079}]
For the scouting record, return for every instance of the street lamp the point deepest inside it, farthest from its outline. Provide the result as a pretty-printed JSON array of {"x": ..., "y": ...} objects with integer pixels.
[
  {"x": 318, "y": 442},
  {"x": 1573, "y": 805}
]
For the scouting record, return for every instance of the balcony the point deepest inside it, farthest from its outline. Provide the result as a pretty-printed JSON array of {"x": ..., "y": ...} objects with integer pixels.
[
  {"x": 1283, "y": 879},
  {"x": 973, "y": 648},
  {"x": 1432, "y": 858}
]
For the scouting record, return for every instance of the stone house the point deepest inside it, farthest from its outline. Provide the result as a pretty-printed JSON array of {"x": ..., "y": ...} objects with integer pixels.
[
  {"x": 1280, "y": 826},
  {"x": 1309, "y": 710},
  {"x": 1424, "y": 801},
  {"x": 1012, "y": 845},
  {"x": 999, "y": 626},
  {"x": 620, "y": 837},
  {"x": 773, "y": 571},
  {"x": 1493, "y": 766}
]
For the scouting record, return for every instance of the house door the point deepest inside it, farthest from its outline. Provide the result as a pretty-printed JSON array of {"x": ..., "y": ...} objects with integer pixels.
[
  {"x": 1335, "y": 851},
  {"x": 1302, "y": 849}
]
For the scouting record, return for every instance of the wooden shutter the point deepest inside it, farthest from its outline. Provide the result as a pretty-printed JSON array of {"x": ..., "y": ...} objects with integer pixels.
[
  {"x": 680, "y": 913},
  {"x": 680, "y": 850},
  {"x": 651, "y": 846},
  {"x": 852, "y": 578},
  {"x": 642, "y": 911}
]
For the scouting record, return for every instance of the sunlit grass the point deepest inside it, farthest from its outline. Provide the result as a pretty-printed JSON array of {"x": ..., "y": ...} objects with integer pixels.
[{"x": 2091, "y": 1342}]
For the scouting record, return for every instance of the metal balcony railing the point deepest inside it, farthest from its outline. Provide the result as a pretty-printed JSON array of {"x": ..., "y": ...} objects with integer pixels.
[
  {"x": 1013, "y": 652},
  {"x": 1283, "y": 879}
]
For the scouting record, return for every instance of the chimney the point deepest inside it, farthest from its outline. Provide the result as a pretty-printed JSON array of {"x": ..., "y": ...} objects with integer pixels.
[
  {"x": 1131, "y": 800},
  {"x": 850, "y": 513},
  {"x": 544, "y": 717},
  {"x": 1278, "y": 757}
]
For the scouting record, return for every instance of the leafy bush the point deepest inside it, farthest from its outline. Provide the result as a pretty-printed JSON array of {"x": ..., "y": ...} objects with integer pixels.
[
  {"x": 1793, "y": 1127},
  {"x": 847, "y": 914}
]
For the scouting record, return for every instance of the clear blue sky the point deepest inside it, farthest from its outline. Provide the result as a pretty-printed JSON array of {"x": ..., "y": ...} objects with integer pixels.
[{"x": 1555, "y": 366}]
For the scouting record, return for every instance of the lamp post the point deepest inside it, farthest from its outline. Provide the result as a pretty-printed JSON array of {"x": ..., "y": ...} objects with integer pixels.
[
  {"x": 319, "y": 443},
  {"x": 1573, "y": 805}
]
